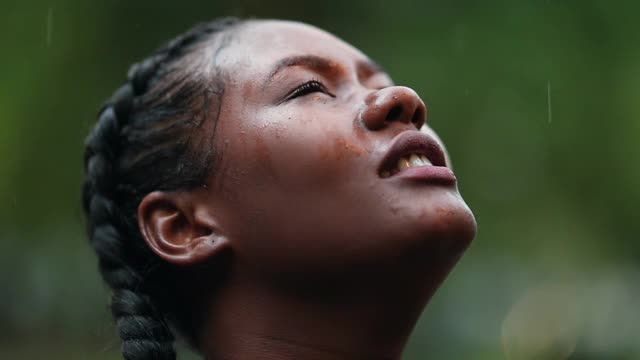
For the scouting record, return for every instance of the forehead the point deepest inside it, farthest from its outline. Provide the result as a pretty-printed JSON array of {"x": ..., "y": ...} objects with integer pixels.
[{"x": 259, "y": 45}]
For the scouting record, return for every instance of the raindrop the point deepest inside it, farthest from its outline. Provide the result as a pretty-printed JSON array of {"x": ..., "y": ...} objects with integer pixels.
[
  {"x": 49, "y": 26},
  {"x": 549, "y": 114}
]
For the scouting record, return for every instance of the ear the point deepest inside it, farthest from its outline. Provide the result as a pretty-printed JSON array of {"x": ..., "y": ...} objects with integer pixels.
[{"x": 180, "y": 228}]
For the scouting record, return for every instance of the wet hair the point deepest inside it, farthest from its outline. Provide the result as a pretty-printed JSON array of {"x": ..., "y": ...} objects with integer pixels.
[{"x": 146, "y": 139}]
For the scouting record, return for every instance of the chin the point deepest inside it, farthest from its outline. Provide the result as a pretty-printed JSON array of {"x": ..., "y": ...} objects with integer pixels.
[
  {"x": 438, "y": 229},
  {"x": 451, "y": 230},
  {"x": 424, "y": 242}
]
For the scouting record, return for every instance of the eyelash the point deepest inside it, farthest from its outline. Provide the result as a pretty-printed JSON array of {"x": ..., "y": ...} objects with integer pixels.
[{"x": 308, "y": 88}]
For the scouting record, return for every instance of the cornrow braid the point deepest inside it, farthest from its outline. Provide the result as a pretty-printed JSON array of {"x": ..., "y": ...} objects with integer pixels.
[{"x": 139, "y": 144}]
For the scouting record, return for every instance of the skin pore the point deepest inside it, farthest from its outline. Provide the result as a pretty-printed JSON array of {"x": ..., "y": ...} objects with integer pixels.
[{"x": 324, "y": 258}]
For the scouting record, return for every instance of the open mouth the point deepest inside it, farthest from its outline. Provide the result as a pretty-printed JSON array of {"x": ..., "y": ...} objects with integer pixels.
[{"x": 411, "y": 149}]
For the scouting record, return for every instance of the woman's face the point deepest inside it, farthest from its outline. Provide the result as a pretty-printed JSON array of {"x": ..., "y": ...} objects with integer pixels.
[{"x": 311, "y": 133}]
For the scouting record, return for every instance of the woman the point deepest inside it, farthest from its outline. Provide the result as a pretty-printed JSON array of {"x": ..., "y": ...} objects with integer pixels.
[{"x": 262, "y": 189}]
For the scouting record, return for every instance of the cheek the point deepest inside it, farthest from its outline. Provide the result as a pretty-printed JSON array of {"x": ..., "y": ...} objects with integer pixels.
[
  {"x": 304, "y": 153},
  {"x": 297, "y": 185}
]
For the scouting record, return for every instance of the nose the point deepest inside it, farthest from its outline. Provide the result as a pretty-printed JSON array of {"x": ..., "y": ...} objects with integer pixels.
[{"x": 393, "y": 104}]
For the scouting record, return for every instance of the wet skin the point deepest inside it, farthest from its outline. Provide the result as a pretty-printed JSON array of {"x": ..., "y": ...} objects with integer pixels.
[
  {"x": 301, "y": 175},
  {"x": 328, "y": 256}
]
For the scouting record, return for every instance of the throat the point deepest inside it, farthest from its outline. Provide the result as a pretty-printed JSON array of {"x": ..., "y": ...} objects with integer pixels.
[{"x": 251, "y": 322}]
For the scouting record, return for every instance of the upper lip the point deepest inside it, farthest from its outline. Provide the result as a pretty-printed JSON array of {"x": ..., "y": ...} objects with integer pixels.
[{"x": 412, "y": 142}]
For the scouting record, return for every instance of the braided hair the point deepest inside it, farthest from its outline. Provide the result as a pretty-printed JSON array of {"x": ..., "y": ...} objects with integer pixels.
[{"x": 144, "y": 141}]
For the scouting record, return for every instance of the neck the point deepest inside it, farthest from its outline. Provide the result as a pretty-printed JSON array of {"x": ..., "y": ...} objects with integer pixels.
[{"x": 248, "y": 320}]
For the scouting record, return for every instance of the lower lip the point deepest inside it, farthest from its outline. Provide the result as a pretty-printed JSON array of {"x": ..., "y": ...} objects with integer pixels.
[{"x": 432, "y": 174}]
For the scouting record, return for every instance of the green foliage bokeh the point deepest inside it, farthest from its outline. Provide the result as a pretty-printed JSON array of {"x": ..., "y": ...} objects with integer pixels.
[{"x": 536, "y": 100}]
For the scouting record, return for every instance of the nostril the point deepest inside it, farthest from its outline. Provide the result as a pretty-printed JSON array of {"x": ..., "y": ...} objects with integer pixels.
[
  {"x": 393, "y": 104},
  {"x": 418, "y": 117},
  {"x": 395, "y": 113}
]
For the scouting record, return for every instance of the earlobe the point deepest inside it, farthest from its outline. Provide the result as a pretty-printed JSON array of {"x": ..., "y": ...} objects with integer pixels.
[{"x": 179, "y": 231}]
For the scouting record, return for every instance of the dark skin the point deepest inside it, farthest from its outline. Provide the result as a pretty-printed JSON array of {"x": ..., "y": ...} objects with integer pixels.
[{"x": 329, "y": 259}]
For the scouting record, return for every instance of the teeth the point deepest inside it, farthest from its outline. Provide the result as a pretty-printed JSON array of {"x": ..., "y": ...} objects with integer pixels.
[
  {"x": 403, "y": 164},
  {"x": 413, "y": 160},
  {"x": 425, "y": 160}
]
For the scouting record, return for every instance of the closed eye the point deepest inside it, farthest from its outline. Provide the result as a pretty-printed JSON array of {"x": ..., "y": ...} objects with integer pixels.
[{"x": 308, "y": 88}]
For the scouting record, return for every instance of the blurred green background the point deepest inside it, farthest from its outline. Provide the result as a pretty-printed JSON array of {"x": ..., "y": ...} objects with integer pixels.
[{"x": 538, "y": 104}]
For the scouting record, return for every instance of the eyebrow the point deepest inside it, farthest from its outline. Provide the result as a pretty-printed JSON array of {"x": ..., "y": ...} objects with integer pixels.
[{"x": 321, "y": 64}]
